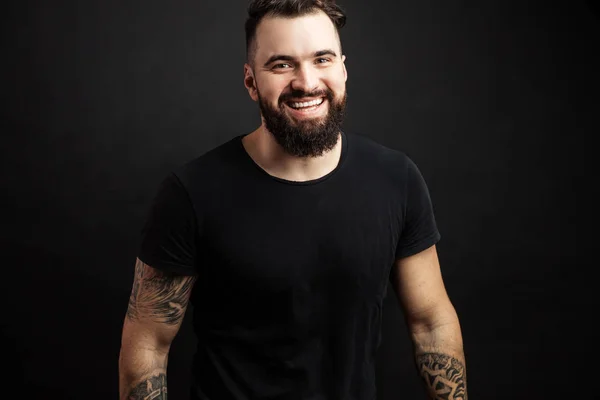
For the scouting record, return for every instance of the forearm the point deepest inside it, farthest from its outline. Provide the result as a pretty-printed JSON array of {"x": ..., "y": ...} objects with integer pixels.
[
  {"x": 142, "y": 374},
  {"x": 440, "y": 361}
]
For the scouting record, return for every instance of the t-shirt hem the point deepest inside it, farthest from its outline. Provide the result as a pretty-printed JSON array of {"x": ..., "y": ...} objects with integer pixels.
[
  {"x": 168, "y": 267},
  {"x": 419, "y": 246}
]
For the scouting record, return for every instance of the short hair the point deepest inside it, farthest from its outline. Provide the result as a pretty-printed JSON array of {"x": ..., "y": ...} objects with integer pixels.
[{"x": 259, "y": 9}]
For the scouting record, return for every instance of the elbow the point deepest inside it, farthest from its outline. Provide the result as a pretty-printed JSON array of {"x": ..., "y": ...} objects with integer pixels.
[
  {"x": 439, "y": 330},
  {"x": 433, "y": 319},
  {"x": 138, "y": 358},
  {"x": 145, "y": 345},
  {"x": 144, "y": 337}
]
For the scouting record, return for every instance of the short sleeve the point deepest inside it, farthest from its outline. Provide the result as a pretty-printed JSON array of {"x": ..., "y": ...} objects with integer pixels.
[
  {"x": 168, "y": 237},
  {"x": 419, "y": 230}
]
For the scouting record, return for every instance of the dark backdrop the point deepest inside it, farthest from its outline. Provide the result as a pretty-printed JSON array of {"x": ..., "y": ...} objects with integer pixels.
[{"x": 496, "y": 102}]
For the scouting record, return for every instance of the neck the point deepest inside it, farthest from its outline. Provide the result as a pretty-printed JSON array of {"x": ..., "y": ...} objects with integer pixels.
[{"x": 270, "y": 156}]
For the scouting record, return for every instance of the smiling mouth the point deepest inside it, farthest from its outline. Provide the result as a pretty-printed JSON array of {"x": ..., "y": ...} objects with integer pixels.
[
  {"x": 305, "y": 106},
  {"x": 299, "y": 105}
]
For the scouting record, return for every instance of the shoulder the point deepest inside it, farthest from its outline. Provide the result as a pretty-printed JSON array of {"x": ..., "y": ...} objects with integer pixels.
[
  {"x": 369, "y": 152},
  {"x": 209, "y": 166}
]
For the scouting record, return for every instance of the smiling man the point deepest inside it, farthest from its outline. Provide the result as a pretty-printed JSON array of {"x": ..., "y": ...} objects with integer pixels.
[{"x": 285, "y": 240}]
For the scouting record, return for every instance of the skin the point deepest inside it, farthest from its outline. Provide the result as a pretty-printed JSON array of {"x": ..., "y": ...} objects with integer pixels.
[{"x": 299, "y": 40}]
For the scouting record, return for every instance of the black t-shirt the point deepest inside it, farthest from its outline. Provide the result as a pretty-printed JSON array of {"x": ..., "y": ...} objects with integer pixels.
[{"x": 291, "y": 275}]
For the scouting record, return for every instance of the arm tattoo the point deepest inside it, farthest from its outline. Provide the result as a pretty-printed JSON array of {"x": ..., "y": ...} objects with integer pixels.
[
  {"x": 444, "y": 376},
  {"x": 160, "y": 296},
  {"x": 152, "y": 388}
]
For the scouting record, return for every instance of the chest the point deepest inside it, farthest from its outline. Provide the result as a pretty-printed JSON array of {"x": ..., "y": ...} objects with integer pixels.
[{"x": 285, "y": 242}]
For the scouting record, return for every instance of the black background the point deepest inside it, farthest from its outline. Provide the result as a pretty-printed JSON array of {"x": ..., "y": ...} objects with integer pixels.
[{"x": 496, "y": 101}]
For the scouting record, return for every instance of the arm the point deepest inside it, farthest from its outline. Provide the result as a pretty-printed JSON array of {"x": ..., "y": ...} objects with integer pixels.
[
  {"x": 432, "y": 323},
  {"x": 156, "y": 309}
]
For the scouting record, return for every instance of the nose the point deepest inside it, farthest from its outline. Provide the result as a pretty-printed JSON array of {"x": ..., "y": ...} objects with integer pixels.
[{"x": 305, "y": 79}]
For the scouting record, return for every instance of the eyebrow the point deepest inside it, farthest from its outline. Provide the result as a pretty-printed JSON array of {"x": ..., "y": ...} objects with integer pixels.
[{"x": 284, "y": 57}]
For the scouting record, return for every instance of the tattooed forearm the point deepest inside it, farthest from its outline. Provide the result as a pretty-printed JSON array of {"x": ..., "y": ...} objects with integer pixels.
[
  {"x": 152, "y": 388},
  {"x": 445, "y": 376},
  {"x": 159, "y": 296}
]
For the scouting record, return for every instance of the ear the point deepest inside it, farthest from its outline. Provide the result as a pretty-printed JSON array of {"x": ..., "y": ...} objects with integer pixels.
[
  {"x": 344, "y": 67},
  {"x": 250, "y": 82}
]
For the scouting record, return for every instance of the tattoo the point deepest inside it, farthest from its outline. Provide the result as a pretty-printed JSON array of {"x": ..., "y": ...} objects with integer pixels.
[
  {"x": 159, "y": 296},
  {"x": 444, "y": 376},
  {"x": 152, "y": 388}
]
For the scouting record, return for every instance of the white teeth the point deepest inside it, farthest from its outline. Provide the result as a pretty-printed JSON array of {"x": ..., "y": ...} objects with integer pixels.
[{"x": 306, "y": 104}]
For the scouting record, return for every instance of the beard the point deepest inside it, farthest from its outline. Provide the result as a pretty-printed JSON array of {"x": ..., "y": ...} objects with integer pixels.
[{"x": 304, "y": 138}]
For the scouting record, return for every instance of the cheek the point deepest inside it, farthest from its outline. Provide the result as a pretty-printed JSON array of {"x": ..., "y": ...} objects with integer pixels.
[
  {"x": 337, "y": 85},
  {"x": 271, "y": 89},
  {"x": 336, "y": 81}
]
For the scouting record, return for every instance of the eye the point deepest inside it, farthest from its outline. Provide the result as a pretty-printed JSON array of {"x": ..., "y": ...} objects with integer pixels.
[
  {"x": 323, "y": 60},
  {"x": 281, "y": 66}
]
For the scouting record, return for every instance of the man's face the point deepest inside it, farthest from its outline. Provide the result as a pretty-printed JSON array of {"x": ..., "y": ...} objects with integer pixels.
[{"x": 299, "y": 82}]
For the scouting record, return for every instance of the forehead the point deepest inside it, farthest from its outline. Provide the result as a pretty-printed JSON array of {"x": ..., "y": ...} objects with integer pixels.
[{"x": 298, "y": 36}]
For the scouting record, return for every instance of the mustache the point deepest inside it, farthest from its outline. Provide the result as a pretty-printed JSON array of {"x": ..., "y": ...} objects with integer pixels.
[{"x": 300, "y": 94}]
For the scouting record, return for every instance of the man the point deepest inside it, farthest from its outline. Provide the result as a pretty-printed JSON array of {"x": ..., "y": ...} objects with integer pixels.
[{"x": 285, "y": 239}]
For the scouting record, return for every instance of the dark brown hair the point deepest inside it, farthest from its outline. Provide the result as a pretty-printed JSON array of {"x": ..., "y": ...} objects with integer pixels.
[{"x": 259, "y": 9}]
